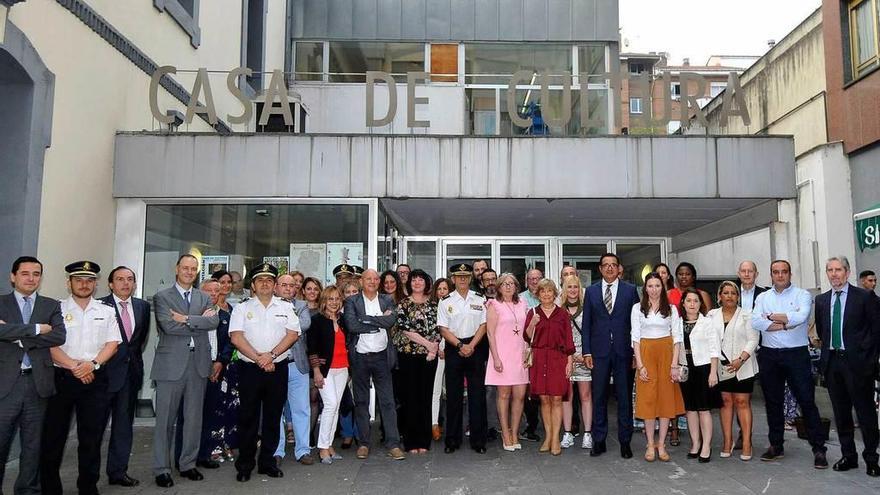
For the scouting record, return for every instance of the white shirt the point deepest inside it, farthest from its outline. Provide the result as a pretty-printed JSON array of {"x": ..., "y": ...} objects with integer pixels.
[
  {"x": 747, "y": 298},
  {"x": 376, "y": 341},
  {"x": 129, "y": 309},
  {"x": 462, "y": 315},
  {"x": 88, "y": 330},
  {"x": 263, "y": 326},
  {"x": 796, "y": 303},
  {"x": 655, "y": 326},
  {"x": 614, "y": 285}
]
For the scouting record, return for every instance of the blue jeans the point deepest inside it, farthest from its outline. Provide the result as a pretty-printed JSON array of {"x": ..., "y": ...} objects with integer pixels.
[{"x": 300, "y": 412}]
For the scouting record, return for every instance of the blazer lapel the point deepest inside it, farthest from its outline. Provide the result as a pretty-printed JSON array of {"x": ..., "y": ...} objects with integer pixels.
[
  {"x": 12, "y": 308},
  {"x": 111, "y": 300},
  {"x": 848, "y": 309}
]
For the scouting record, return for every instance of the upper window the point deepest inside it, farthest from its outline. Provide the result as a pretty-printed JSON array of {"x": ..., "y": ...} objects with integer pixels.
[
  {"x": 863, "y": 40},
  {"x": 635, "y": 105},
  {"x": 309, "y": 61},
  {"x": 675, "y": 90},
  {"x": 715, "y": 88},
  {"x": 636, "y": 68},
  {"x": 350, "y": 60},
  {"x": 186, "y": 14},
  {"x": 494, "y": 63}
]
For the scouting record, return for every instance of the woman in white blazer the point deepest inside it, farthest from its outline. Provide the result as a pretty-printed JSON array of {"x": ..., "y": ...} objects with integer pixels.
[
  {"x": 738, "y": 369},
  {"x": 701, "y": 351}
]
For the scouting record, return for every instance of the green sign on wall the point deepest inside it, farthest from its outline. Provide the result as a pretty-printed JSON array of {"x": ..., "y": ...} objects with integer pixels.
[{"x": 868, "y": 228}]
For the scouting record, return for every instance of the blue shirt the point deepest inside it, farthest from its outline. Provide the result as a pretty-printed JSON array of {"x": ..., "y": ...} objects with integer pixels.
[
  {"x": 843, "y": 293},
  {"x": 796, "y": 304},
  {"x": 19, "y": 298},
  {"x": 531, "y": 300}
]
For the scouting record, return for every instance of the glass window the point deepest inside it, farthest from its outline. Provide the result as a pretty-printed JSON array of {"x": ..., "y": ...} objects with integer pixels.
[
  {"x": 494, "y": 63},
  {"x": 675, "y": 90},
  {"x": 638, "y": 260},
  {"x": 591, "y": 59},
  {"x": 311, "y": 238},
  {"x": 585, "y": 258},
  {"x": 309, "y": 58},
  {"x": 716, "y": 88},
  {"x": 635, "y": 105},
  {"x": 423, "y": 255},
  {"x": 863, "y": 19},
  {"x": 482, "y": 115},
  {"x": 519, "y": 258},
  {"x": 466, "y": 253},
  {"x": 444, "y": 62},
  {"x": 350, "y": 60}
]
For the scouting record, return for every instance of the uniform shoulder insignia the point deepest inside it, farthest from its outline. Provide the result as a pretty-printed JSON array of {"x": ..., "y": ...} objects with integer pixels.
[
  {"x": 108, "y": 304},
  {"x": 445, "y": 297},
  {"x": 244, "y": 300}
]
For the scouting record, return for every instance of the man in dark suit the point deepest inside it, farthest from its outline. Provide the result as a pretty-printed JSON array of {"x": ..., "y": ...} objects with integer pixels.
[
  {"x": 30, "y": 324},
  {"x": 181, "y": 368},
  {"x": 749, "y": 291},
  {"x": 848, "y": 323},
  {"x": 125, "y": 371},
  {"x": 607, "y": 350},
  {"x": 369, "y": 317}
]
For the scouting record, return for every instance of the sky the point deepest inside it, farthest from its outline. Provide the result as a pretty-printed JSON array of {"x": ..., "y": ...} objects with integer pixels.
[{"x": 699, "y": 28}]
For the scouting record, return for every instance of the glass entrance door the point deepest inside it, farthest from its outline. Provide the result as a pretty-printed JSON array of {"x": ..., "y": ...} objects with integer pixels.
[
  {"x": 518, "y": 257},
  {"x": 584, "y": 256},
  {"x": 465, "y": 251}
]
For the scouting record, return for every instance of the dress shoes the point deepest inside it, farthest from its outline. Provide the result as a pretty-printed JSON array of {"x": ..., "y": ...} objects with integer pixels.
[
  {"x": 164, "y": 480},
  {"x": 272, "y": 472},
  {"x": 820, "y": 461},
  {"x": 126, "y": 481},
  {"x": 306, "y": 460},
  {"x": 531, "y": 436},
  {"x": 209, "y": 464},
  {"x": 362, "y": 452},
  {"x": 772, "y": 454},
  {"x": 192, "y": 474},
  {"x": 479, "y": 450},
  {"x": 845, "y": 464},
  {"x": 599, "y": 448},
  {"x": 243, "y": 476},
  {"x": 450, "y": 449},
  {"x": 873, "y": 469},
  {"x": 625, "y": 451}
]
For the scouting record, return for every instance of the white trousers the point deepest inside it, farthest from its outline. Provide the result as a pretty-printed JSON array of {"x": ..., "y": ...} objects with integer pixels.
[
  {"x": 438, "y": 391},
  {"x": 331, "y": 394}
]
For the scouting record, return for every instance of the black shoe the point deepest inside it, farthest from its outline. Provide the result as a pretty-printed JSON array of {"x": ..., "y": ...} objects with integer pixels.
[
  {"x": 820, "y": 461},
  {"x": 491, "y": 434},
  {"x": 192, "y": 474},
  {"x": 450, "y": 449},
  {"x": 598, "y": 449},
  {"x": 845, "y": 465},
  {"x": 694, "y": 455},
  {"x": 243, "y": 476},
  {"x": 272, "y": 472},
  {"x": 164, "y": 480},
  {"x": 479, "y": 450},
  {"x": 704, "y": 460},
  {"x": 873, "y": 470},
  {"x": 773, "y": 454},
  {"x": 531, "y": 436},
  {"x": 346, "y": 444},
  {"x": 209, "y": 464},
  {"x": 625, "y": 451},
  {"x": 126, "y": 481}
]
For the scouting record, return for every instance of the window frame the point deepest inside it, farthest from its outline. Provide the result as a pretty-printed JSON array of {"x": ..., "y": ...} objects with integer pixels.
[
  {"x": 188, "y": 22},
  {"x": 855, "y": 70},
  {"x": 636, "y": 99}
]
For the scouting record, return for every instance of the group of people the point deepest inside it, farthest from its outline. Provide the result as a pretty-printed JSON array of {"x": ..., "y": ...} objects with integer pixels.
[{"x": 230, "y": 370}]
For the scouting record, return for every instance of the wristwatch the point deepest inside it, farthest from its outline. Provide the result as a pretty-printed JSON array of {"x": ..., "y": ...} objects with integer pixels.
[
  {"x": 96, "y": 364},
  {"x": 274, "y": 356},
  {"x": 459, "y": 345}
]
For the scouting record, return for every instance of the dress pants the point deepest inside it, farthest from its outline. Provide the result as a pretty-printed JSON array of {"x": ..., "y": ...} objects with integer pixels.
[
  {"x": 414, "y": 387},
  {"x": 187, "y": 393},
  {"x": 90, "y": 403},
  {"x": 262, "y": 400},
  {"x": 297, "y": 401},
  {"x": 23, "y": 410},
  {"x": 363, "y": 368},
  {"x": 438, "y": 391},
  {"x": 621, "y": 368},
  {"x": 331, "y": 396},
  {"x": 123, "y": 404},
  {"x": 472, "y": 369},
  {"x": 850, "y": 388},
  {"x": 792, "y": 366}
]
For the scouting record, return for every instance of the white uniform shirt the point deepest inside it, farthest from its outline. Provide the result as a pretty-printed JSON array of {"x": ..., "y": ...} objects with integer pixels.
[
  {"x": 88, "y": 330},
  {"x": 372, "y": 342},
  {"x": 655, "y": 326},
  {"x": 462, "y": 315},
  {"x": 264, "y": 326}
]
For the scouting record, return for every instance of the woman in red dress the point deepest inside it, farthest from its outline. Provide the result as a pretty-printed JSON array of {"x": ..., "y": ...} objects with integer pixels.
[{"x": 548, "y": 329}]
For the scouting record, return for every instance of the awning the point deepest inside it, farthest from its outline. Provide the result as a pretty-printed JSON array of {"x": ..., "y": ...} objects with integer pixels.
[{"x": 868, "y": 228}]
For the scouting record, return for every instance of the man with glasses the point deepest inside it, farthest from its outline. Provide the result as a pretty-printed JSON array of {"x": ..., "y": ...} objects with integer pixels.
[
  {"x": 489, "y": 279},
  {"x": 608, "y": 352},
  {"x": 530, "y": 295},
  {"x": 532, "y": 405}
]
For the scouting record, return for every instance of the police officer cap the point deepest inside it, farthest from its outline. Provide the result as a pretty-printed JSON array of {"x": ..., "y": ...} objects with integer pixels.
[
  {"x": 82, "y": 269},
  {"x": 263, "y": 269},
  {"x": 461, "y": 269},
  {"x": 343, "y": 269},
  {"x": 358, "y": 271}
]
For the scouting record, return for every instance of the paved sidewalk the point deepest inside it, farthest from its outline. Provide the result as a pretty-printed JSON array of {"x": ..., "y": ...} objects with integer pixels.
[{"x": 526, "y": 472}]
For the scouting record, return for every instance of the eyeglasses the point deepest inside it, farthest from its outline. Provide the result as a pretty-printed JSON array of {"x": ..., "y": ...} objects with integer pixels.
[
  {"x": 508, "y": 284},
  {"x": 608, "y": 265}
]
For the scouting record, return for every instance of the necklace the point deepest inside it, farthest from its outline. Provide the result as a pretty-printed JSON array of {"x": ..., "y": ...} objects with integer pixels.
[{"x": 515, "y": 319}]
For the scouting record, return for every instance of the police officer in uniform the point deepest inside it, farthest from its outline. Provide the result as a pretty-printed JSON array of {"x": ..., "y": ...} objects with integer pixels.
[
  {"x": 461, "y": 317},
  {"x": 262, "y": 328},
  {"x": 80, "y": 381},
  {"x": 343, "y": 273}
]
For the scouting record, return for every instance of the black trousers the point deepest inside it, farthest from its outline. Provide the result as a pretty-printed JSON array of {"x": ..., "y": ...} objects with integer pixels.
[
  {"x": 532, "y": 410},
  {"x": 365, "y": 368},
  {"x": 122, "y": 406},
  {"x": 791, "y": 365},
  {"x": 850, "y": 388},
  {"x": 22, "y": 409},
  {"x": 262, "y": 398},
  {"x": 473, "y": 369},
  {"x": 90, "y": 403},
  {"x": 414, "y": 389}
]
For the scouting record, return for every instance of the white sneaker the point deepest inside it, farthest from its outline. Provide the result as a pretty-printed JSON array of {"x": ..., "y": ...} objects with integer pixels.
[
  {"x": 567, "y": 440},
  {"x": 587, "y": 443}
]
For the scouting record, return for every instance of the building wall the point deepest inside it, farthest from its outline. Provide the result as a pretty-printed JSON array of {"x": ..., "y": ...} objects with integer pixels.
[
  {"x": 721, "y": 259},
  {"x": 853, "y": 115},
  {"x": 99, "y": 92},
  {"x": 865, "y": 170}
]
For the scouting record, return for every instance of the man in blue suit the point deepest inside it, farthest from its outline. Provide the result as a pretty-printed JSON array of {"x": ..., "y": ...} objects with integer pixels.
[{"x": 607, "y": 350}]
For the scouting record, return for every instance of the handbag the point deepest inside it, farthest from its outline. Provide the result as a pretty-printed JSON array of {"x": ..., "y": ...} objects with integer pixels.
[
  {"x": 683, "y": 373},
  {"x": 723, "y": 373}
]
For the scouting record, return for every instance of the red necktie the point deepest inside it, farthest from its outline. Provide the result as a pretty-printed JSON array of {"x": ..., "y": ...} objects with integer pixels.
[{"x": 126, "y": 319}]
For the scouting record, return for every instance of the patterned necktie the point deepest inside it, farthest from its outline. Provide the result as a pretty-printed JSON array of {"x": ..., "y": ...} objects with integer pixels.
[
  {"x": 26, "y": 311},
  {"x": 126, "y": 320},
  {"x": 607, "y": 299},
  {"x": 836, "y": 330},
  {"x": 186, "y": 298}
]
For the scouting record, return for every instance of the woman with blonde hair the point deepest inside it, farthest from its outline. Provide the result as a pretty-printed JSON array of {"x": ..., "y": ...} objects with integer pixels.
[
  {"x": 573, "y": 302},
  {"x": 548, "y": 330}
]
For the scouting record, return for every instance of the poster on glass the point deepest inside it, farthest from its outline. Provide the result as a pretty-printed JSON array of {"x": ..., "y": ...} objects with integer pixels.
[
  {"x": 308, "y": 259},
  {"x": 211, "y": 264},
  {"x": 282, "y": 263},
  {"x": 350, "y": 253}
]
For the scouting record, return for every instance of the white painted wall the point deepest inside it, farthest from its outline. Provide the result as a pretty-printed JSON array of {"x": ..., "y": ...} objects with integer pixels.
[{"x": 721, "y": 259}]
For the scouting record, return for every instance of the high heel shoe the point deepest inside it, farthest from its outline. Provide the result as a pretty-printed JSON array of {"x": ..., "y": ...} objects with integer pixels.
[
  {"x": 704, "y": 460},
  {"x": 509, "y": 448},
  {"x": 650, "y": 454},
  {"x": 724, "y": 455},
  {"x": 663, "y": 455},
  {"x": 694, "y": 455},
  {"x": 746, "y": 457},
  {"x": 545, "y": 447}
]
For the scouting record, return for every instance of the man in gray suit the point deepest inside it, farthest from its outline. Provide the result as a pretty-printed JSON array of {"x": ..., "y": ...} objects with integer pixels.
[
  {"x": 29, "y": 325},
  {"x": 369, "y": 317},
  {"x": 184, "y": 316}
]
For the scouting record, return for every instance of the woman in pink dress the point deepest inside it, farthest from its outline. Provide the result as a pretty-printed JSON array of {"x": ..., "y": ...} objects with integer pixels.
[{"x": 505, "y": 322}]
